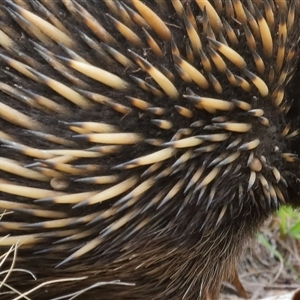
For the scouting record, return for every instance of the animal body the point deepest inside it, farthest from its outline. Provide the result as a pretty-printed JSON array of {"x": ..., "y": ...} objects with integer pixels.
[{"x": 143, "y": 143}]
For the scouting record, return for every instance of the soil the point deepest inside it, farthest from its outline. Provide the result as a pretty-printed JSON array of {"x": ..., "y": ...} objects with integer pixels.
[{"x": 268, "y": 271}]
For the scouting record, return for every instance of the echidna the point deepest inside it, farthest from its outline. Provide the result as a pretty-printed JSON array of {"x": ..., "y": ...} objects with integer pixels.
[{"x": 143, "y": 143}]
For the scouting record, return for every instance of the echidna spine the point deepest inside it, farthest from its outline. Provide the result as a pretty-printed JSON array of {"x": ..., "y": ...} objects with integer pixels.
[{"x": 143, "y": 143}]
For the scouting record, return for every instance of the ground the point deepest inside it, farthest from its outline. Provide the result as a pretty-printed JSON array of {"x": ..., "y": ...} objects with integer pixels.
[{"x": 271, "y": 264}]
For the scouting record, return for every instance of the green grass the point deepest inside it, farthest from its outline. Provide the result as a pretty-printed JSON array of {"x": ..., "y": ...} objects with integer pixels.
[
  {"x": 289, "y": 222},
  {"x": 271, "y": 248}
]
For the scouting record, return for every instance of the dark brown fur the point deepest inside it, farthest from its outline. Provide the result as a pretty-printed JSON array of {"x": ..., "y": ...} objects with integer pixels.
[{"x": 179, "y": 248}]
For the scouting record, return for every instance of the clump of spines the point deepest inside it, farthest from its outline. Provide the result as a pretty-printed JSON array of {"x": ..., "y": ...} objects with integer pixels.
[{"x": 147, "y": 132}]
